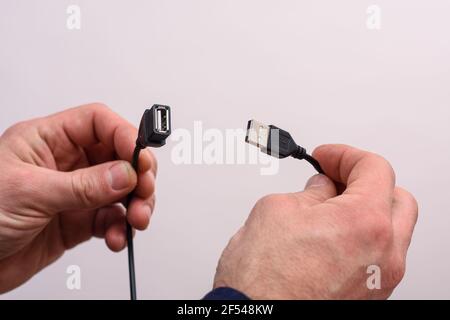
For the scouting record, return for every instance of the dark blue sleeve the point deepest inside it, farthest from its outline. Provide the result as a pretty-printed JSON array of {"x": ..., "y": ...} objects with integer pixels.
[{"x": 225, "y": 294}]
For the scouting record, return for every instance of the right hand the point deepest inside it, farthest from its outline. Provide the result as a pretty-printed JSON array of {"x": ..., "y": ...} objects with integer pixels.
[{"x": 318, "y": 244}]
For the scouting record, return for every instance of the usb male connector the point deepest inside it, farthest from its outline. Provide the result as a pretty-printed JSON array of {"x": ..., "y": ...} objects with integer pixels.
[
  {"x": 257, "y": 134},
  {"x": 277, "y": 142}
]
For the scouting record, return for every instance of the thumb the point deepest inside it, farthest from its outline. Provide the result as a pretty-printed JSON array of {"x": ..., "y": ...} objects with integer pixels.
[
  {"x": 92, "y": 187},
  {"x": 319, "y": 188}
]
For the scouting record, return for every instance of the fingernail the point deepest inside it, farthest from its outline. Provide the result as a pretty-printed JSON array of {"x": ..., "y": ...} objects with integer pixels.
[
  {"x": 318, "y": 180},
  {"x": 119, "y": 176}
]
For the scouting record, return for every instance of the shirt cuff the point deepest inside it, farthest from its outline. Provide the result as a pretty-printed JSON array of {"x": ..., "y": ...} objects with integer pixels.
[{"x": 225, "y": 294}]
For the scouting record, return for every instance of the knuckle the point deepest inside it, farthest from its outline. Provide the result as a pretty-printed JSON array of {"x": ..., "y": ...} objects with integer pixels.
[
  {"x": 384, "y": 164},
  {"x": 410, "y": 199},
  {"x": 374, "y": 229},
  {"x": 268, "y": 201},
  {"x": 83, "y": 189},
  {"x": 99, "y": 106},
  {"x": 396, "y": 272},
  {"x": 95, "y": 107},
  {"x": 17, "y": 129},
  {"x": 270, "y": 205},
  {"x": 380, "y": 231},
  {"x": 275, "y": 202}
]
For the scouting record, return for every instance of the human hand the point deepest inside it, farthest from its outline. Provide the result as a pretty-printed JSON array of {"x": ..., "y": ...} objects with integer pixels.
[
  {"x": 318, "y": 244},
  {"x": 61, "y": 180}
]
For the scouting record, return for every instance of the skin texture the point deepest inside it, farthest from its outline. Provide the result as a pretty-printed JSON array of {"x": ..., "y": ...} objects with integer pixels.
[
  {"x": 62, "y": 179},
  {"x": 318, "y": 244}
]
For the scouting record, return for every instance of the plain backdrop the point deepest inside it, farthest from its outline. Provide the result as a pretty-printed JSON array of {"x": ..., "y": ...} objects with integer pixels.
[{"x": 309, "y": 66}]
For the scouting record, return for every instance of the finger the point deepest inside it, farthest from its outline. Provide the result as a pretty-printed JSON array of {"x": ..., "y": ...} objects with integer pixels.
[
  {"x": 140, "y": 212},
  {"x": 404, "y": 218},
  {"x": 116, "y": 233},
  {"x": 143, "y": 159},
  {"x": 88, "y": 188},
  {"x": 102, "y": 217},
  {"x": 146, "y": 185},
  {"x": 319, "y": 188},
  {"x": 95, "y": 123},
  {"x": 146, "y": 159},
  {"x": 364, "y": 174},
  {"x": 110, "y": 224},
  {"x": 80, "y": 226},
  {"x": 99, "y": 153}
]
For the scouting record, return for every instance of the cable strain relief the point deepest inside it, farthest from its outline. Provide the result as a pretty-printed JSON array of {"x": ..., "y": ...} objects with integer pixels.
[
  {"x": 139, "y": 144},
  {"x": 300, "y": 153}
]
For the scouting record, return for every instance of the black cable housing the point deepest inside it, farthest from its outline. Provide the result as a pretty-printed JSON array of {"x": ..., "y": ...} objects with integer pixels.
[{"x": 130, "y": 247}]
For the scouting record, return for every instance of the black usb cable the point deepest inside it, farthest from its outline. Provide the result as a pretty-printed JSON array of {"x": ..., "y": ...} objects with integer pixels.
[
  {"x": 154, "y": 129},
  {"x": 277, "y": 143}
]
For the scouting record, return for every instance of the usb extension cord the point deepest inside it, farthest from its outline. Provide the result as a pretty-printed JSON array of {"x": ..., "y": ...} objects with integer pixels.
[
  {"x": 277, "y": 143},
  {"x": 154, "y": 129}
]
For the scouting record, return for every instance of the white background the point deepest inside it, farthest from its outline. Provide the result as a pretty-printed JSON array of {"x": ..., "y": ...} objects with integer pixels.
[{"x": 309, "y": 66}]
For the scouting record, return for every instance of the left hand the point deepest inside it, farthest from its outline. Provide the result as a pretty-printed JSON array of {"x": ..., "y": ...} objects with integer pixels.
[{"x": 61, "y": 179}]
